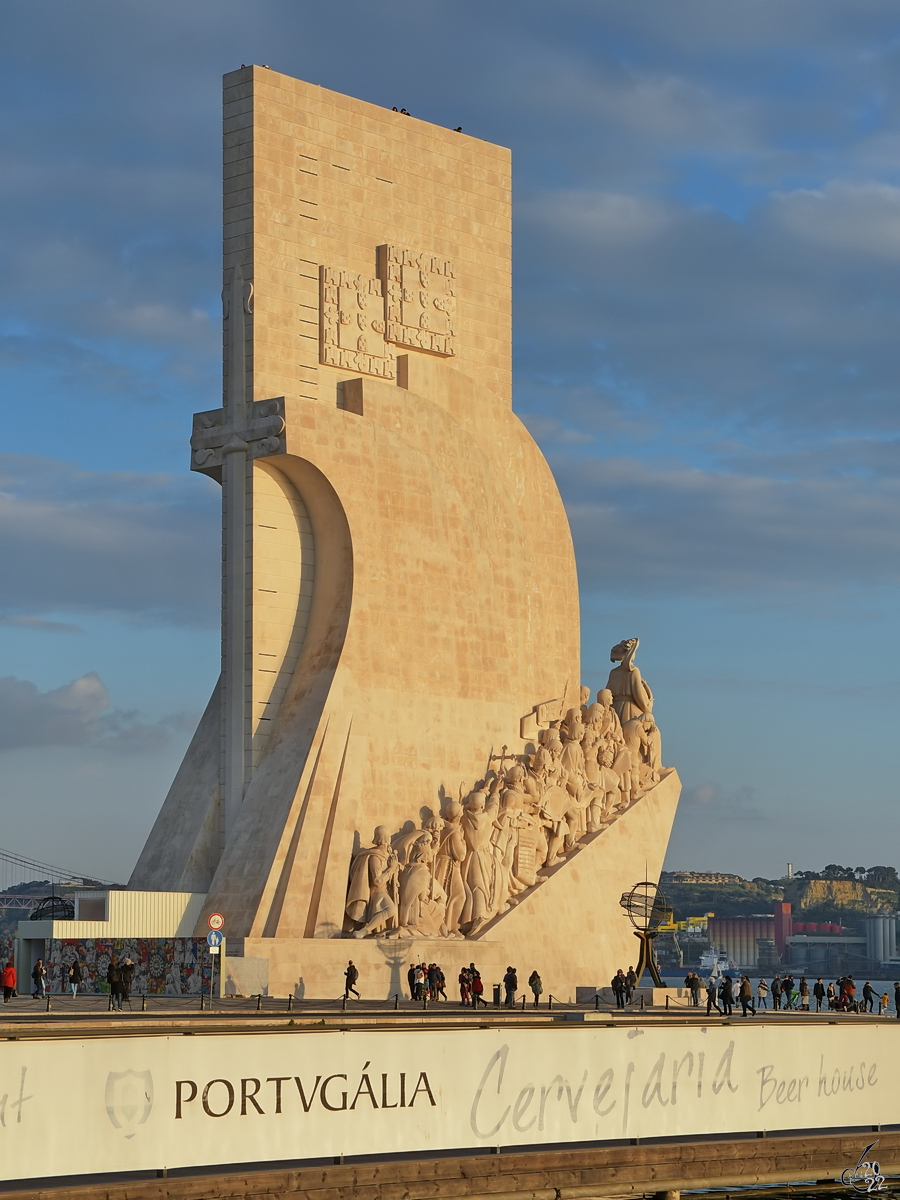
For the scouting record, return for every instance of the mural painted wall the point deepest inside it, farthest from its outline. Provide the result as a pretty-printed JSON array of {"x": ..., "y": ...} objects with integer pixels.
[{"x": 163, "y": 966}]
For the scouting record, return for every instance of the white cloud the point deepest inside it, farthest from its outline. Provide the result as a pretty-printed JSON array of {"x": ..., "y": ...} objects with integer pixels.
[
  {"x": 141, "y": 546},
  {"x": 78, "y": 714},
  {"x": 684, "y": 529},
  {"x": 843, "y": 216}
]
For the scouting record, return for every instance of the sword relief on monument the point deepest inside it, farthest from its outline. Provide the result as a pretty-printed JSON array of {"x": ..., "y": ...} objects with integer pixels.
[
  {"x": 464, "y": 869},
  {"x": 352, "y": 324},
  {"x": 420, "y": 299}
]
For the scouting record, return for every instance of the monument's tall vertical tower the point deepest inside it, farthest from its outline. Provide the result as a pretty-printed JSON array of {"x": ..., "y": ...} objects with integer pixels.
[{"x": 399, "y": 584}]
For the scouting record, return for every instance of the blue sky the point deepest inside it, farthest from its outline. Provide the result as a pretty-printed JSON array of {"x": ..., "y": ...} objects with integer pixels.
[{"x": 707, "y": 307}]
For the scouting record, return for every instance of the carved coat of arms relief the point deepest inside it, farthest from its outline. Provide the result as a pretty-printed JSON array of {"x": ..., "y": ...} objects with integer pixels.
[{"x": 411, "y": 304}]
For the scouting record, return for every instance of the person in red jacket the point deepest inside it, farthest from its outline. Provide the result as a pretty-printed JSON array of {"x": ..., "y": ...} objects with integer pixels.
[{"x": 8, "y": 981}]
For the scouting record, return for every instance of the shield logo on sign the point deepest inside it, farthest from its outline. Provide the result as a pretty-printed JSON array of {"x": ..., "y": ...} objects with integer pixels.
[{"x": 129, "y": 1099}]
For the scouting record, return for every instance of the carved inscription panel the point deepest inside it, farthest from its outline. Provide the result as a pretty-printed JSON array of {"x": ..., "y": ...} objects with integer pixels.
[
  {"x": 420, "y": 299},
  {"x": 352, "y": 324}
]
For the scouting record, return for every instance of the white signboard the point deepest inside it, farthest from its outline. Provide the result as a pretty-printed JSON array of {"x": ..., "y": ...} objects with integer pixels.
[{"x": 133, "y": 1103}]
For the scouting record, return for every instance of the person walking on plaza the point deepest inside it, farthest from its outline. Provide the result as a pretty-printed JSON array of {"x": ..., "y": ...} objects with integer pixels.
[
  {"x": 868, "y": 997},
  {"x": 37, "y": 976},
  {"x": 618, "y": 987},
  {"x": 630, "y": 984},
  {"x": 776, "y": 993},
  {"x": 442, "y": 983},
  {"x": 695, "y": 989},
  {"x": 819, "y": 993},
  {"x": 726, "y": 995},
  {"x": 116, "y": 989},
  {"x": 745, "y": 995},
  {"x": 829, "y": 993},
  {"x": 711, "y": 996},
  {"x": 804, "y": 993},
  {"x": 76, "y": 976},
  {"x": 534, "y": 982},
  {"x": 433, "y": 981},
  {"x": 883, "y": 1004},
  {"x": 464, "y": 985},
  {"x": 351, "y": 975},
  {"x": 8, "y": 981},
  {"x": 897, "y": 1000},
  {"x": 787, "y": 992},
  {"x": 127, "y": 979},
  {"x": 762, "y": 994},
  {"x": 478, "y": 991},
  {"x": 511, "y": 983},
  {"x": 689, "y": 987}
]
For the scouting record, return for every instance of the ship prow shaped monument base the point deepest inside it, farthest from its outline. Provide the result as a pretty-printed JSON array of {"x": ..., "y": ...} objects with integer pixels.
[{"x": 398, "y": 747}]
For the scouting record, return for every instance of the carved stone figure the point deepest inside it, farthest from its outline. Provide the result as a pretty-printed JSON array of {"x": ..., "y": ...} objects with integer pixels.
[
  {"x": 448, "y": 868},
  {"x": 372, "y": 882},
  {"x": 422, "y": 899},
  {"x": 457, "y": 872},
  {"x": 478, "y": 868},
  {"x": 631, "y": 695}
]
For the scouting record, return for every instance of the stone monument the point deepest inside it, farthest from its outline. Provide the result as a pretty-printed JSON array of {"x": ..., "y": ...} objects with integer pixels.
[{"x": 398, "y": 756}]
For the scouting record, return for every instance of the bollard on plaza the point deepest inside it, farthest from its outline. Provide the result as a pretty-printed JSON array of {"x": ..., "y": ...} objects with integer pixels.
[
  {"x": 109, "y": 1005},
  {"x": 48, "y": 1002},
  {"x": 597, "y": 1002},
  {"x": 259, "y": 1002},
  {"x": 144, "y": 1002},
  {"x": 396, "y": 1001},
  {"x": 290, "y": 1003}
]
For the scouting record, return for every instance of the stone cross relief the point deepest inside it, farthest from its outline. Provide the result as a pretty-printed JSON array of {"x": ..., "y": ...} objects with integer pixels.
[
  {"x": 223, "y": 442},
  {"x": 259, "y": 433},
  {"x": 256, "y": 429}
]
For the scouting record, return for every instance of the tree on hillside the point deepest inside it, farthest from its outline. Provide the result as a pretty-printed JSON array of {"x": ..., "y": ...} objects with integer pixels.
[{"x": 883, "y": 877}]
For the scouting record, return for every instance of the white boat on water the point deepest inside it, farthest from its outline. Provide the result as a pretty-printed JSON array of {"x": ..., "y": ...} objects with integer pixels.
[{"x": 716, "y": 963}]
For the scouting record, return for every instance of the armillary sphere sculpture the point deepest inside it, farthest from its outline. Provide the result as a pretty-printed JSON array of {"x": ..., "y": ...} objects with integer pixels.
[{"x": 647, "y": 909}]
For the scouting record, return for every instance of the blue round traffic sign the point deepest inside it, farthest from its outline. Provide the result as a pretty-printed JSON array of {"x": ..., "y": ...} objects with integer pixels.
[{"x": 214, "y": 937}]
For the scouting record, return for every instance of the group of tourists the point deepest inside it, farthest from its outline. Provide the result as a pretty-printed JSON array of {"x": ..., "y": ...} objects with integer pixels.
[
  {"x": 722, "y": 992},
  {"x": 426, "y": 981},
  {"x": 119, "y": 976},
  {"x": 623, "y": 985},
  {"x": 788, "y": 994}
]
